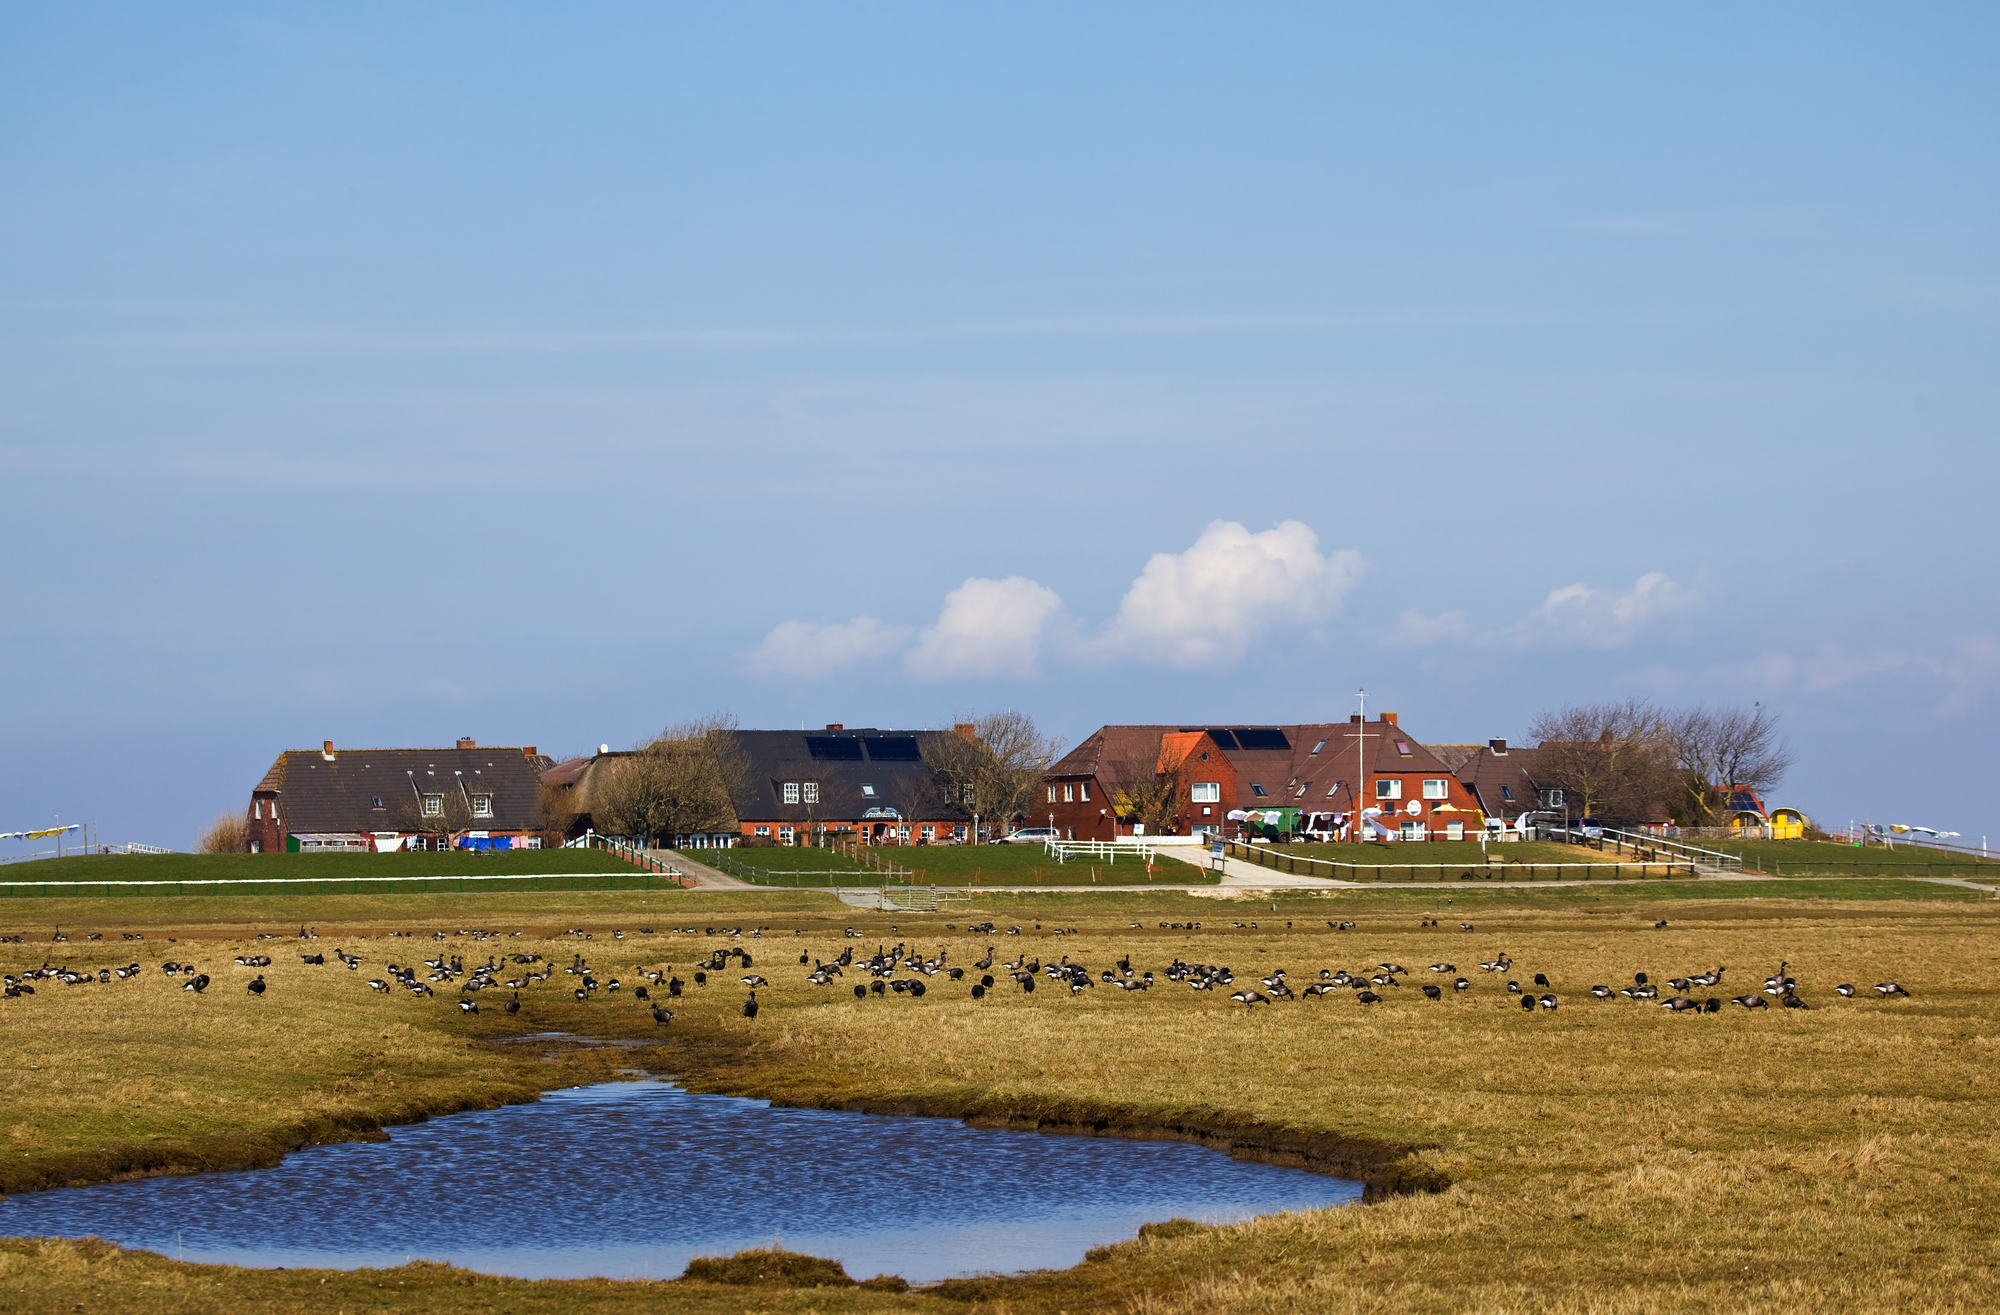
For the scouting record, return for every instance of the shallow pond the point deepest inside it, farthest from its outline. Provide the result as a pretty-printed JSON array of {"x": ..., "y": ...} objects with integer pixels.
[{"x": 631, "y": 1179}]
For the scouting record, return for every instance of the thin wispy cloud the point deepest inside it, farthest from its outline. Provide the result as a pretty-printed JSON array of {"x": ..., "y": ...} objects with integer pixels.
[
  {"x": 334, "y": 338},
  {"x": 1574, "y": 616}
]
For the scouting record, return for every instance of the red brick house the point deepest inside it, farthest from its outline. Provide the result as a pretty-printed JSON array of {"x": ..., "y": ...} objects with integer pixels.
[{"x": 1406, "y": 793}]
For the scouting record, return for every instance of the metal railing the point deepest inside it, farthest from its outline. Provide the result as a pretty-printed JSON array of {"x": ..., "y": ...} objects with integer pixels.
[
  {"x": 83, "y": 851},
  {"x": 756, "y": 876},
  {"x": 1276, "y": 859},
  {"x": 903, "y": 899},
  {"x": 1641, "y": 843},
  {"x": 631, "y": 853}
]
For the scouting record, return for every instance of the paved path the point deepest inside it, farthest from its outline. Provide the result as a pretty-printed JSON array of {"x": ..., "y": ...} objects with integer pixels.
[{"x": 703, "y": 876}]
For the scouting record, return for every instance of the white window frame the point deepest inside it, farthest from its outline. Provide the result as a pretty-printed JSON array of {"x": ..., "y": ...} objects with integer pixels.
[
  {"x": 433, "y": 805},
  {"x": 788, "y": 793},
  {"x": 482, "y": 805},
  {"x": 809, "y": 791},
  {"x": 762, "y": 831},
  {"x": 1052, "y": 792},
  {"x": 784, "y": 835},
  {"x": 1206, "y": 792},
  {"x": 1388, "y": 787},
  {"x": 1436, "y": 789},
  {"x": 928, "y": 832},
  {"x": 1069, "y": 793},
  {"x": 1412, "y": 830},
  {"x": 1083, "y": 791},
  {"x": 1454, "y": 830}
]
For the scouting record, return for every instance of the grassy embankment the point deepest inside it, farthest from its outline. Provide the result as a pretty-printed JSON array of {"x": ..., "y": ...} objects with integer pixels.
[
  {"x": 958, "y": 865},
  {"x": 1608, "y": 1156}
]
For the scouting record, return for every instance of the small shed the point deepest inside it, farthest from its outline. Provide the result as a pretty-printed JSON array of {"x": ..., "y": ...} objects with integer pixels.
[{"x": 1788, "y": 824}]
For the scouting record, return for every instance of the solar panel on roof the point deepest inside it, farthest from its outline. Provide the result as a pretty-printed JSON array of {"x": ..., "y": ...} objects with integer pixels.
[
  {"x": 1262, "y": 737},
  {"x": 892, "y": 748},
  {"x": 1222, "y": 738},
  {"x": 834, "y": 748}
]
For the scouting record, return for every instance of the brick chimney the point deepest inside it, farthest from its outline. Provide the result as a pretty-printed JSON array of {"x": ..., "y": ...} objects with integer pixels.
[
  {"x": 465, "y": 742},
  {"x": 1389, "y": 717},
  {"x": 1354, "y": 719},
  {"x": 966, "y": 731},
  {"x": 1498, "y": 746},
  {"x": 835, "y": 726},
  {"x": 527, "y": 751}
]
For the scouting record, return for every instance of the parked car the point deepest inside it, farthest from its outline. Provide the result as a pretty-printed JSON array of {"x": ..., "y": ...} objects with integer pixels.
[{"x": 1028, "y": 835}]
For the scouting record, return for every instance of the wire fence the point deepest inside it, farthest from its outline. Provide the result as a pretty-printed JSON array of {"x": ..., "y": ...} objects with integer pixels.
[
  {"x": 1514, "y": 870},
  {"x": 626, "y": 879}
]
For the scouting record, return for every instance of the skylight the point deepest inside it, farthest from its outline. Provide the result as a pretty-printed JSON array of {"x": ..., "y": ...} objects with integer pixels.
[
  {"x": 1257, "y": 790},
  {"x": 1403, "y": 747},
  {"x": 1319, "y": 746}
]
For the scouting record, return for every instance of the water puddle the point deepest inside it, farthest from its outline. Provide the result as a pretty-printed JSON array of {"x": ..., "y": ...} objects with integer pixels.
[{"x": 631, "y": 1179}]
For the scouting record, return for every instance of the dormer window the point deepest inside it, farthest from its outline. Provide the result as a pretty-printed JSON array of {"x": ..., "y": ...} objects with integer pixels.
[
  {"x": 791, "y": 792},
  {"x": 810, "y": 791},
  {"x": 433, "y": 805},
  {"x": 482, "y": 805}
]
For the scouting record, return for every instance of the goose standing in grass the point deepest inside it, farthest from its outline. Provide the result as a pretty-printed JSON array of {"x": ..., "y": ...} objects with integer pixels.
[
  {"x": 1461, "y": 984},
  {"x": 257, "y": 987},
  {"x": 513, "y": 1006},
  {"x": 1601, "y": 991},
  {"x": 1430, "y": 992},
  {"x": 1887, "y": 989},
  {"x": 377, "y": 984},
  {"x": 1845, "y": 990},
  {"x": 1548, "y": 1002},
  {"x": 750, "y": 1006},
  {"x": 662, "y": 1016},
  {"x": 1528, "y": 1003},
  {"x": 1368, "y": 998},
  {"x": 198, "y": 985},
  {"x": 1751, "y": 1001},
  {"x": 467, "y": 1007}
]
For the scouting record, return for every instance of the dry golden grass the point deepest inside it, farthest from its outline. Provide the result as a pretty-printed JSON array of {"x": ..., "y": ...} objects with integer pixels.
[{"x": 1606, "y": 1157}]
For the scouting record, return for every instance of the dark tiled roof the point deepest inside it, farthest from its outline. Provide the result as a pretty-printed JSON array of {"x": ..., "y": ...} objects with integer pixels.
[
  {"x": 1487, "y": 771},
  {"x": 846, "y": 764},
  {"x": 318, "y": 792}
]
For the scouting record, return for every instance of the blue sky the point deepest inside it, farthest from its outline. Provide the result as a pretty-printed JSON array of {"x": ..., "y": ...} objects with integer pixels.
[{"x": 389, "y": 374}]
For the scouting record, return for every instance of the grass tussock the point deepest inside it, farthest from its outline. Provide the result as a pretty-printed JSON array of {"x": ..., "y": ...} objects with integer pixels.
[{"x": 1608, "y": 1156}]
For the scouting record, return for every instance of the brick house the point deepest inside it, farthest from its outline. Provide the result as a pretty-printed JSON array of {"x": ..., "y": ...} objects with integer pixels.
[
  {"x": 384, "y": 800},
  {"x": 866, "y": 785},
  {"x": 1406, "y": 793}
]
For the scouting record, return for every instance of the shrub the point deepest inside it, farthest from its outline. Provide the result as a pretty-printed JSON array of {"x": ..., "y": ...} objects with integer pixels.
[{"x": 769, "y": 1267}]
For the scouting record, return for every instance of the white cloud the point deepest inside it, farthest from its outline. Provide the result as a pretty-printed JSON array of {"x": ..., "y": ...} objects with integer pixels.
[
  {"x": 808, "y": 649},
  {"x": 986, "y": 628},
  {"x": 1970, "y": 668},
  {"x": 1578, "y": 616},
  {"x": 1202, "y": 607},
  {"x": 1574, "y": 616}
]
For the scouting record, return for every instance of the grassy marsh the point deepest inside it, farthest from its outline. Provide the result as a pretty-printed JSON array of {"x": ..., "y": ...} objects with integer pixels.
[{"x": 1606, "y": 1156}]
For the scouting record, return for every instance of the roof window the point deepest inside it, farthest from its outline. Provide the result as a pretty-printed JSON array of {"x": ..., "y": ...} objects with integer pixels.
[
  {"x": 1403, "y": 747},
  {"x": 867, "y": 791},
  {"x": 1258, "y": 790},
  {"x": 1319, "y": 746}
]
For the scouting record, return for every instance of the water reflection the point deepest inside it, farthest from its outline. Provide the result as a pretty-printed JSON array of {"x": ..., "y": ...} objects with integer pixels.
[{"x": 630, "y": 1179}]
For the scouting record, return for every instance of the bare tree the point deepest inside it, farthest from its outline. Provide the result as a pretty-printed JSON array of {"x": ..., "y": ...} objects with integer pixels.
[
  {"x": 442, "y": 815},
  {"x": 1716, "y": 749},
  {"x": 1608, "y": 758},
  {"x": 994, "y": 773},
  {"x": 228, "y": 834},
  {"x": 1149, "y": 791},
  {"x": 558, "y": 806},
  {"x": 678, "y": 784}
]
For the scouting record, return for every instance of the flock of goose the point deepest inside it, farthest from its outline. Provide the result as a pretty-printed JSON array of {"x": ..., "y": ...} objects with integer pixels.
[{"x": 1370, "y": 986}]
